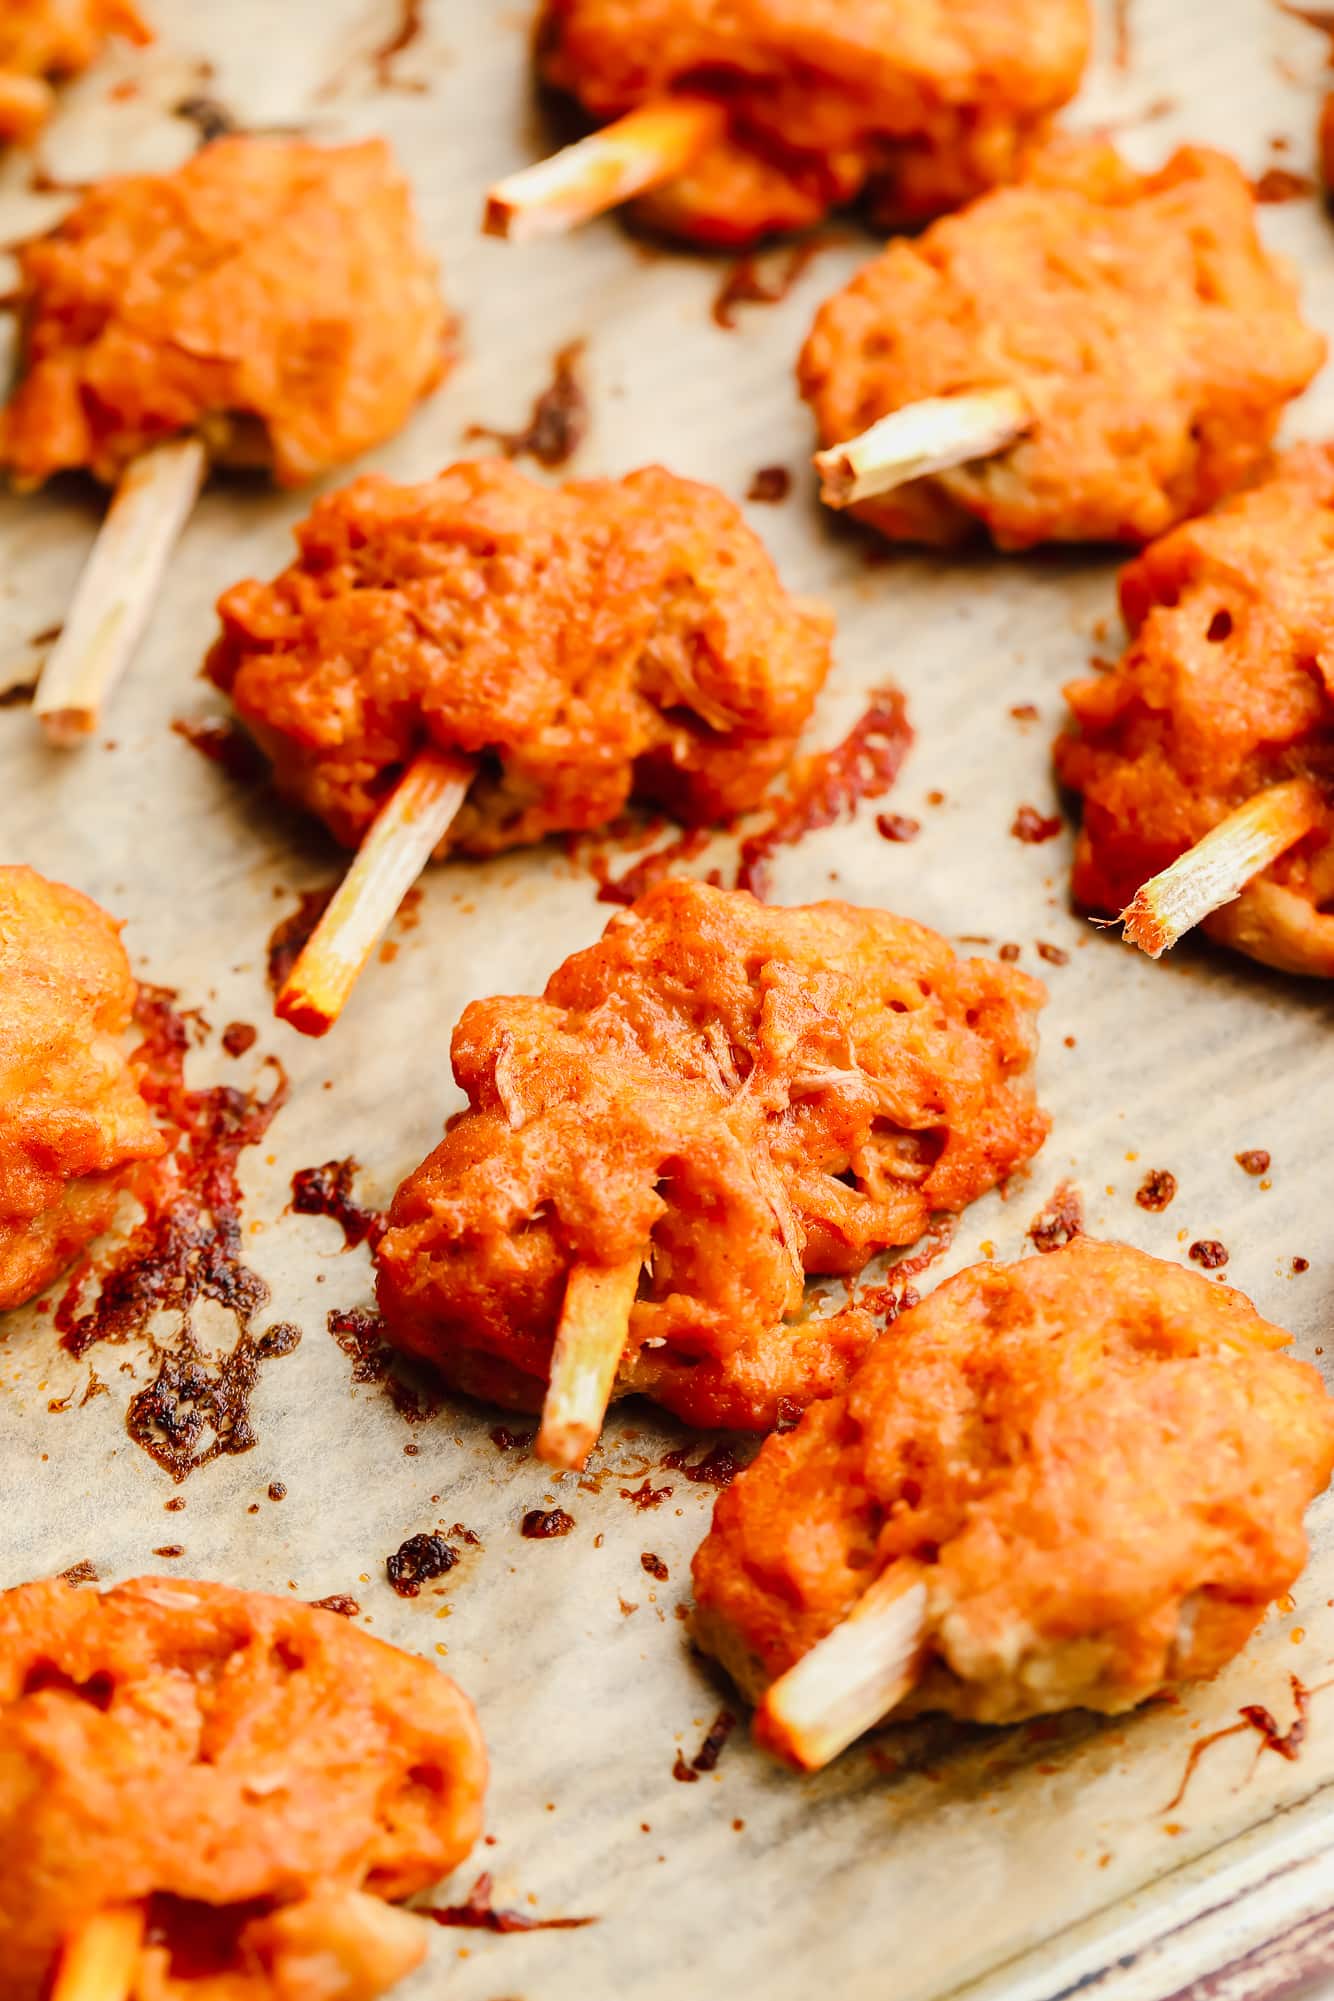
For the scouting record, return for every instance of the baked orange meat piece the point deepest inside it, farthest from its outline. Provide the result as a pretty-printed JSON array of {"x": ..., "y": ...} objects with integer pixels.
[
  {"x": 741, "y": 1094},
  {"x": 1095, "y": 1463},
  {"x": 1152, "y": 336},
  {"x": 588, "y": 644},
  {"x": 42, "y": 41},
  {"x": 257, "y": 1773},
  {"x": 1227, "y": 687},
  {"x": 915, "y": 105},
  {"x": 73, "y": 1125},
  {"x": 272, "y": 296}
]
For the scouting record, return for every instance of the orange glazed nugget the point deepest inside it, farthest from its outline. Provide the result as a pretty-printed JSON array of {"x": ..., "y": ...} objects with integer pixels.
[
  {"x": 605, "y": 640},
  {"x": 72, "y": 1123},
  {"x": 740, "y": 1094},
  {"x": 915, "y": 104},
  {"x": 1092, "y": 1465},
  {"x": 41, "y": 39},
  {"x": 257, "y": 1774},
  {"x": 1227, "y": 687},
  {"x": 1151, "y": 336},
  {"x": 270, "y": 295}
]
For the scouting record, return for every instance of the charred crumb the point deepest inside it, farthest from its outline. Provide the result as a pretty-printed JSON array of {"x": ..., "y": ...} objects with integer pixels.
[
  {"x": 478, "y": 1913},
  {"x": 292, "y": 933},
  {"x": 709, "y": 1752},
  {"x": 225, "y": 744},
  {"x": 559, "y": 420},
  {"x": 416, "y": 1561},
  {"x": 897, "y": 827},
  {"x": 646, "y": 1496},
  {"x": 685, "y": 1773},
  {"x": 340, "y": 1602},
  {"x": 277, "y": 1490},
  {"x": 540, "y": 1525},
  {"x": 1281, "y": 184},
  {"x": 1060, "y": 1221},
  {"x": 1157, "y": 1190},
  {"x": 329, "y": 1191},
  {"x": 1051, "y": 955},
  {"x": 462, "y": 1534},
  {"x": 1207, "y": 1251},
  {"x": 170, "y": 1550},
  {"x": 1254, "y": 1161},
  {"x": 770, "y": 485},
  {"x": 238, "y": 1038},
  {"x": 654, "y": 1565},
  {"x": 1009, "y": 952},
  {"x": 1299, "y": 1265},
  {"x": 83, "y": 1572},
  {"x": 1033, "y": 827},
  {"x": 1025, "y": 712}
]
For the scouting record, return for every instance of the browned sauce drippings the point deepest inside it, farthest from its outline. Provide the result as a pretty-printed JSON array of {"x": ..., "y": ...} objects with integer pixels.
[
  {"x": 1209, "y": 1253},
  {"x": 827, "y": 786},
  {"x": 718, "y": 1468},
  {"x": 651, "y": 1562},
  {"x": 359, "y": 1332},
  {"x": 762, "y": 280},
  {"x": 1280, "y": 184},
  {"x": 83, "y": 1572},
  {"x": 897, "y": 1293},
  {"x": 646, "y": 1496},
  {"x": 225, "y": 744},
  {"x": 1060, "y": 1221},
  {"x": 210, "y": 118},
  {"x": 18, "y": 694},
  {"x": 770, "y": 485},
  {"x": 478, "y": 1913},
  {"x": 238, "y": 1037},
  {"x": 328, "y": 1191},
  {"x": 340, "y": 1602},
  {"x": 1157, "y": 1190},
  {"x": 1254, "y": 1716},
  {"x": 187, "y": 1249},
  {"x": 640, "y": 877},
  {"x": 405, "y": 32},
  {"x": 709, "y": 1752},
  {"x": 291, "y": 934},
  {"x": 559, "y": 420}
]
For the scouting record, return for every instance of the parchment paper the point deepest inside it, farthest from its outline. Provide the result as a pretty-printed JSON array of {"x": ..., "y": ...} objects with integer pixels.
[{"x": 1021, "y": 1860}]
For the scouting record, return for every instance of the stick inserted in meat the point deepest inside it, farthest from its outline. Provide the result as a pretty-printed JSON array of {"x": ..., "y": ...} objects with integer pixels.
[
  {"x": 922, "y": 438},
  {"x": 640, "y": 151},
  {"x": 590, "y": 1341},
  {"x": 851, "y": 1679},
  {"x": 409, "y": 828},
  {"x": 118, "y": 588},
  {"x": 1219, "y": 866},
  {"x": 101, "y": 1958}
]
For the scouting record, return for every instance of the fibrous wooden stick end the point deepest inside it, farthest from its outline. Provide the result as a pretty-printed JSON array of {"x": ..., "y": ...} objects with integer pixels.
[
  {"x": 931, "y": 436},
  {"x": 1219, "y": 866},
  {"x": 100, "y": 1959},
  {"x": 590, "y": 1341},
  {"x": 408, "y": 829},
  {"x": 851, "y": 1679},
  {"x": 636, "y": 153}
]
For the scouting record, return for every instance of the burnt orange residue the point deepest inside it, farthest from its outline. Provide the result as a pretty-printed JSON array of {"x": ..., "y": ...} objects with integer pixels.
[
  {"x": 330, "y": 1191},
  {"x": 227, "y": 745},
  {"x": 828, "y": 785},
  {"x": 405, "y": 32},
  {"x": 291, "y": 934},
  {"x": 187, "y": 1249},
  {"x": 641, "y": 876},
  {"x": 1254, "y": 1716},
  {"x": 1060, "y": 1220},
  {"x": 359, "y": 1332},
  {"x": 478, "y": 1913},
  {"x": 763, "y": 280},
  {"x": 559, "y": 420},
  {"x": 1280, "y": 184}
]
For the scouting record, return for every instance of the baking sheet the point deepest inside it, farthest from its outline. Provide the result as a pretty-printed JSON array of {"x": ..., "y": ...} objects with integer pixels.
[{"x": 1023, "y": 1860}]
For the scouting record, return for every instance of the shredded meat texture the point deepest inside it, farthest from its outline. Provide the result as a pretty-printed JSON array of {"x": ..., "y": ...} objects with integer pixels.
[
  {"x": 73, "y": 1125},
  {"x": 588, "y": 644},
  {"x": 1095, "y": 1462},
  {"x": 913, "y": 105},
  {"x": 272, "y": 296},
  {"x": 42, "y": 41},
  {"x": 744, "y": 1094},
  {"x": 1227, "y": 686},
  {"x": 1153, "y": 337},
  {"x": 243, "y": 1764}
]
